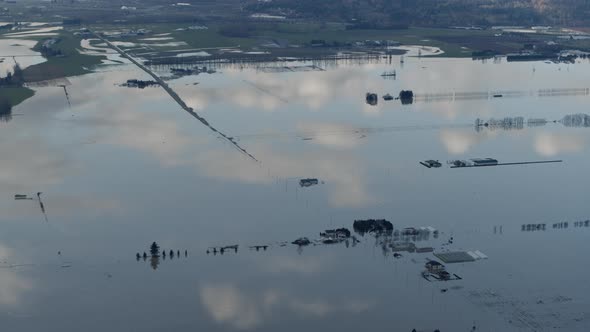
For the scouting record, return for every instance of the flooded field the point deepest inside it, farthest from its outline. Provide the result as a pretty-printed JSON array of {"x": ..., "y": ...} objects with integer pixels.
[{"x": 118, "y": 168}]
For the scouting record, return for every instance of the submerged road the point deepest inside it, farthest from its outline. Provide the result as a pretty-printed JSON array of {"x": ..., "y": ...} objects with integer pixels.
[{"x": 175, "y": 96}]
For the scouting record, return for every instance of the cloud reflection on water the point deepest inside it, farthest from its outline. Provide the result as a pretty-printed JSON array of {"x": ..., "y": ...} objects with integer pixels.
[
  {"x": 246, "y": 310},
  {"x": 458, "y": 142},
  {"x": 12, "y": 286},
  {"x": 552, "y": 144}
]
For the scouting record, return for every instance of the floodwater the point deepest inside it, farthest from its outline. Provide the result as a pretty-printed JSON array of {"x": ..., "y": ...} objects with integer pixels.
[
  {"x": 120, "y": 168},
  {"x": 21, "y": 48}
]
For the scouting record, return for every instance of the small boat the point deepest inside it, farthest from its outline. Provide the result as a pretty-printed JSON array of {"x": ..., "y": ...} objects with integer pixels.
[
  {"x": 388, "y": 97},
  {"x": 498, "y": 96}
]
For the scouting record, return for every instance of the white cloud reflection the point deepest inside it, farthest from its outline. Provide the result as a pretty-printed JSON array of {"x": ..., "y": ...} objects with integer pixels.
[
  {"x": 240, "y": 309},
  {"x": 458, "y": 142},
  {"x": 12, "y": 286},
  {"x": 330, "y": 135},
  {"x": 342, "y": 172},
  {"x": 551, "y": 144}
]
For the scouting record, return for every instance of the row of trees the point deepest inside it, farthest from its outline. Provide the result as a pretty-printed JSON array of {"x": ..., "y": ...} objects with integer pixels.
[
  {"x": 14, "y": 78},
  {"x": 155, "y": 255}
]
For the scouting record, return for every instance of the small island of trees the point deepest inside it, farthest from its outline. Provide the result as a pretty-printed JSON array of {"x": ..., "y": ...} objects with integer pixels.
[{"x": 155, "y": 254}]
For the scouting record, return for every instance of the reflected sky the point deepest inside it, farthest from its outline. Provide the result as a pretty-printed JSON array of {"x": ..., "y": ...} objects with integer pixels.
[
  {"x": 10, "y": 47},
  {"x": 120, "y": 168}
]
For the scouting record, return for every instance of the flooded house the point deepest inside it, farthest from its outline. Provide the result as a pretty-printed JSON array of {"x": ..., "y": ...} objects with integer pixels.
[
  {"x": 431, "y": 163},
  {"x": 434, "y": 266}
]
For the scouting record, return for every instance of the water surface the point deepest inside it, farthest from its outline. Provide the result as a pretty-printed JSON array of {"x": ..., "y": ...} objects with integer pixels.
[{"x": 122, "y": 167}]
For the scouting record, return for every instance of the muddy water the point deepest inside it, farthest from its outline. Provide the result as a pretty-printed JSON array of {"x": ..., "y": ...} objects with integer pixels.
[{"x": 121, "y": 168}]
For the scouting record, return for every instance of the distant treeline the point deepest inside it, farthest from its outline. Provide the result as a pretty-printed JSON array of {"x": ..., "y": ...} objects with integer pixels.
[
  {"x": 435, "y": 13},
  {"x": 376, "y": 26}
]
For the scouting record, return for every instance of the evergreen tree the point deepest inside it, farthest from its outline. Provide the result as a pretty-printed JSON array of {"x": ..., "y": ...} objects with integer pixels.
[{"x": 155, "y": 249}]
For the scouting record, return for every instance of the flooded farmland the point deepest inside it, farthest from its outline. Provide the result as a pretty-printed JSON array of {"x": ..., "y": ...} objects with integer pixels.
[{"x": 117, "y": 169}]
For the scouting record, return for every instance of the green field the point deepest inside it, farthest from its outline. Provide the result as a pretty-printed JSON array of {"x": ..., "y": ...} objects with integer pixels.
[
  {"x": 454, "y": 43},
  {"x": 249, "y": 35},
  {"x": 15, "y": 95},
  {"x": 72, "y": 63}
]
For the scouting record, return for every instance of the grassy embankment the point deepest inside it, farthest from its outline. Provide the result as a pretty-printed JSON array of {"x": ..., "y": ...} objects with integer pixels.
[{"x": 15, "y": 95}]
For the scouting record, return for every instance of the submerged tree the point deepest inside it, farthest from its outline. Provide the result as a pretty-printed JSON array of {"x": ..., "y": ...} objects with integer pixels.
[{"x": 155, "y": 249}]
